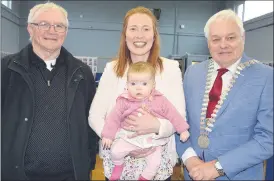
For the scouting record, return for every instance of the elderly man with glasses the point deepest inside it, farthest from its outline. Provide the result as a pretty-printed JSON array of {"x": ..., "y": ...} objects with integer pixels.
[{"x": 46, "y": 95}]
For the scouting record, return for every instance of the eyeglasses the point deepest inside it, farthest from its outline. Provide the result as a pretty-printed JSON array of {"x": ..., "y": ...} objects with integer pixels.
[{"x": 46, "y": 26}]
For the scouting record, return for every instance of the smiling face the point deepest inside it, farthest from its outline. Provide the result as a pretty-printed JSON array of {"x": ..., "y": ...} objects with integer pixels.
[
  {"x": 48, "y": 40},
  {"x": 225, "y": 42},
  {"x": 139, "y": 35}
]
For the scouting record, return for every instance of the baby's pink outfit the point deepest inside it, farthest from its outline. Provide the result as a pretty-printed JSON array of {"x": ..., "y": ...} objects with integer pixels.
[{"x": 159, "y": 106}]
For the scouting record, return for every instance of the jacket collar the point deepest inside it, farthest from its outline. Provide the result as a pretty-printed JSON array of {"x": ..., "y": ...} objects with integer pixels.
[
  {"x": 23, "y": 58},
  {"x": 34, "y": 59},
  {"x": 245, "y": 58}
]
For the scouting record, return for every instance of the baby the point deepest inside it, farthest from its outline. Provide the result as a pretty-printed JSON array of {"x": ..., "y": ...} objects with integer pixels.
[{"x": 140, "y": 93}]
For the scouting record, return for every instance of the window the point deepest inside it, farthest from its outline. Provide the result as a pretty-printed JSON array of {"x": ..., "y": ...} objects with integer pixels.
[
  {"x": 7, "y": 3},
  {"x": 253, "y": 9},
  {"x": 240, "y": 11}
]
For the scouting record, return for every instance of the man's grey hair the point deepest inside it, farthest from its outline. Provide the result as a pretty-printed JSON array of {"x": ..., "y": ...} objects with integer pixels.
[{"x": 224, "y": 15}]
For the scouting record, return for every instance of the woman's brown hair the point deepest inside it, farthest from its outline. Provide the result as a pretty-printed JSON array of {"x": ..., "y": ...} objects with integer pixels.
[{"x": 124, "y": 53}]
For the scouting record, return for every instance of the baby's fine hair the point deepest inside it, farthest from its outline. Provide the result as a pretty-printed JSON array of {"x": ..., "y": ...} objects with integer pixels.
[{"x": 141, "y": 67}]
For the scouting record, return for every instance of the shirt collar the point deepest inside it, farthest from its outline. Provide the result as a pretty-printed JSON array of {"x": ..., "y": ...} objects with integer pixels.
[
  {"x": 232, "y": 68},
  {"x": 36, "y": 60}
]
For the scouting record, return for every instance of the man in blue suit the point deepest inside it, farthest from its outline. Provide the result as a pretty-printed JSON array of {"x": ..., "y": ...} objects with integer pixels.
[{"x": 229, "y": 105}]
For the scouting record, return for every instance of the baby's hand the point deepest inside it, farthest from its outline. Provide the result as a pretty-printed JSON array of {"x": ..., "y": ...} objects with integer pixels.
[
  {"x": 184, "y": 136},
  {"x": 106, "y": 143}
]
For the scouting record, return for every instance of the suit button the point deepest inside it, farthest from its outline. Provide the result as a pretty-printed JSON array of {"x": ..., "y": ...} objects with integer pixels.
[
  {"x": 26, "y": 119},
  {"x": 16, "y": 166}
]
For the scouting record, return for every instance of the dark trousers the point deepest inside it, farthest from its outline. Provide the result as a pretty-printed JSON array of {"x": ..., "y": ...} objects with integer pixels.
[{"x": 168, "y": 179}]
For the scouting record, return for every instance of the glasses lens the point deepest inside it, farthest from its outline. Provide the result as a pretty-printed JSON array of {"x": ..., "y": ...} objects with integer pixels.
[
  {"x": 60, "y": 28},
  {"x": 44, "y": 26}
]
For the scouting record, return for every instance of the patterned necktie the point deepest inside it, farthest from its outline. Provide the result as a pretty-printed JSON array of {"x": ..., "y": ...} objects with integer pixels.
[{"x": 215, "y": 92}]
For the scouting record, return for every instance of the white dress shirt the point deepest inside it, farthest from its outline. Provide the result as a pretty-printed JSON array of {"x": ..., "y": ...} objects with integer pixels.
[
  {"x": 50, "y": 63},
  {"x": 226, "y": 79}
]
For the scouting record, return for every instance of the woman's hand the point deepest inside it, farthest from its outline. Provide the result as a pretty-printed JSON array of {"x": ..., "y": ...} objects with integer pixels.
[{"x": 141, "y": 122}]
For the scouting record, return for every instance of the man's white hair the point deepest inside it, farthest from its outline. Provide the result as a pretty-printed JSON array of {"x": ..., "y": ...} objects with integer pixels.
[
  {"x": 37, "y": 9},
  {"x": 224, "y": 15}
]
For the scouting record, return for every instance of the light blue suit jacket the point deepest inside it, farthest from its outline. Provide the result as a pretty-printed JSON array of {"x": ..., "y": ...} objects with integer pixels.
[{"x": 242, "y": 137}]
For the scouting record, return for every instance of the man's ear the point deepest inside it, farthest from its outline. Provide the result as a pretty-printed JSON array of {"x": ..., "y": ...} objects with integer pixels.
[
  {"x": 208, "y": 43},
  {"x": 66, "y": 32},
  {"x": 30, "y": 30},
  {"x": 243, "y": 37}
]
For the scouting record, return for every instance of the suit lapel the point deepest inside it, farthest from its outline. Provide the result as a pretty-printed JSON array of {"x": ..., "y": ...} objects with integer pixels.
[
  {"x": 198, "y": 87},
  {"x": 239, "y": 82}
]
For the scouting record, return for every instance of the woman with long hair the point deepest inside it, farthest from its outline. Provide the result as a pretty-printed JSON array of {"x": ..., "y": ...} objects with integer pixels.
[{"x": 140, "y": 41}]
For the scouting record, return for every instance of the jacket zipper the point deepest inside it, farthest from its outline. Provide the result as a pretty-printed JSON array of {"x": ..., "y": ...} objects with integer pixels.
[
  {"x": 33, "y": 105},
  {"x": 68, "y": 113}
]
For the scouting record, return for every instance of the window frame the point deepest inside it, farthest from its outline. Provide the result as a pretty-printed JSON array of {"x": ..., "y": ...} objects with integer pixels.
[
  {"x": 7, "y": 4},
  {"x": 244, "y": 10}
]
